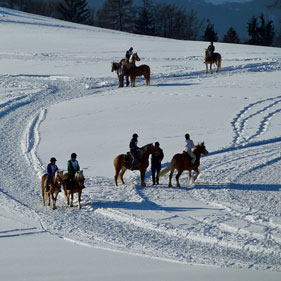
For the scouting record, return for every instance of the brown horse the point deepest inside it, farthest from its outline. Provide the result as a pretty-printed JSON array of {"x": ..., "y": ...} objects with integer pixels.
[
  {"x": 121, "y": 164},
  {"x": 75, "y": 187},
  {"x": 215, "y": 59},
  {"x": 115, "y": 66},
  {"x": 54, "y": 188},
  {"x": 182, "y": 162},
  {"x": 133, "y": 71}
]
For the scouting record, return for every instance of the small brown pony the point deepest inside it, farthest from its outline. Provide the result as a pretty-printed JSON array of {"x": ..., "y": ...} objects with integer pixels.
[
  {"x": 121, "y": 164},
  {"x": 216, "y": 59},
  {"x": 182, "y": 162},
  {"x": 54, "y": 189},
  {"x": 115, "y": 66},
  {"x": 76, "y": 187}
]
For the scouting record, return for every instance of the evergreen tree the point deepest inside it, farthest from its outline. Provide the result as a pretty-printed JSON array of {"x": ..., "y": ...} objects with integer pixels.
[
  {"x": 145, "y": 21},
  {"x": 231, "y": 36},
  {"x": 116, "y": 14},
  {"x": 210, "y": 34},
  {"x": 75, "y": 11},
  {"x": 262, "y": 34}
]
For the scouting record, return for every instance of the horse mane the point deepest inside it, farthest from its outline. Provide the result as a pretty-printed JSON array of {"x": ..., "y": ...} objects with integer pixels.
[
  {"x": 147, "y": 145},
  {"x": 198, "y": 146}
]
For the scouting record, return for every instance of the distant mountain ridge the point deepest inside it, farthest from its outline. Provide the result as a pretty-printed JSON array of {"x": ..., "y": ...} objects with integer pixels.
[{"x": 227, "y": 14}]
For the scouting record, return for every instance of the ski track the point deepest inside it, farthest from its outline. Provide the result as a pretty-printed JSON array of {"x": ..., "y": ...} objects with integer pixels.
[{"x": 105, "y": 219}]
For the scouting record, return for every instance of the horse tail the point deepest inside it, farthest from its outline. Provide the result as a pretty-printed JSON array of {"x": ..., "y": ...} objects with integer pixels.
[{"x": 165, "y": 171}]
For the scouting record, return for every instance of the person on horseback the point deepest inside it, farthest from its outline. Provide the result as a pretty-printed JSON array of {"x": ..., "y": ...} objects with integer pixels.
[
  {"x": 128, "y": 54},
  {"x": 188, "y": 148},
  {"x": 134, "y": 150},
  {"x": 211, "y": 49},
  {"x": 156, "y": 158},
  {"x": 72, "y": 168},
  {"x": 51, "y": 170}
]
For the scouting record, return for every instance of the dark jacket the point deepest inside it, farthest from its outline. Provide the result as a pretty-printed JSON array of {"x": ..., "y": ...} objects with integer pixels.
[
  {"x": 51, "y": 169},
  {"x": 211, "y": 49},
  {"x": 71, "y": 170},
  {"x": 157, "y": 156},
  {"x": 133, "y": 146}
]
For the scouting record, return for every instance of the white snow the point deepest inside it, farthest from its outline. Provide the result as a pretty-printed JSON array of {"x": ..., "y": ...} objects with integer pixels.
[{"x": 58, "y": 96}]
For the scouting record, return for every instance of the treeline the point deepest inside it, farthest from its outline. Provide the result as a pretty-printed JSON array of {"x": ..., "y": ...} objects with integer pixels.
[{"x": 163, "y": 20}]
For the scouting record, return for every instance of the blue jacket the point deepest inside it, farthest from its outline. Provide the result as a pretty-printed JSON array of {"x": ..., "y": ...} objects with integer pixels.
[{"x": 51, "y": 169}]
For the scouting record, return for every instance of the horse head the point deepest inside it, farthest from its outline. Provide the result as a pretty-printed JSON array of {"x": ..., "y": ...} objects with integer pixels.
[
  {"x": 134, "y": 57},
  {"x": 148, "y": 149},
  {"x": 200, "y": 147},
  {"x": 114, "y": 66},
  {"x": 79, "y": 178},
  {"x": 59, "y": 177}
]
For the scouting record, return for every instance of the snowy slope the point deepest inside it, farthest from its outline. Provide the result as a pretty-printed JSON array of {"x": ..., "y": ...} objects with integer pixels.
[{"x": 58, "y": 95}]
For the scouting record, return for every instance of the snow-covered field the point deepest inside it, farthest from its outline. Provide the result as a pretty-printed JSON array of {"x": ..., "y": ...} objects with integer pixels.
[{"x": 58, "y": 96}]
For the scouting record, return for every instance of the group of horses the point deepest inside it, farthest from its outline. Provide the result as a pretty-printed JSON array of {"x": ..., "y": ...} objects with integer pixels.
[
  {"x": 61, "y": 179},
  {"x": 180, "y": 162},
  {"x": 129, "y": 69}
]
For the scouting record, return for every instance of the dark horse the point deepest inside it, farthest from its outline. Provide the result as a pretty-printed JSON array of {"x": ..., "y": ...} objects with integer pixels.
[
  {"x": 122, "y": 163},
  {"x": 182, "y": 162},
  {"x": 215, "y": 59},
  {"x": 115, "y": 66},
  {"x": 133, "y": 71}
]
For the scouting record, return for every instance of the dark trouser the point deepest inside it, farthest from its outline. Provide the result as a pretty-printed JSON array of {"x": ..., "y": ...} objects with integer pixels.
[
  {"x": 47, "y": 183},
  {"x": 155, "y": 170},
  {"x": 134, "y": 155}
]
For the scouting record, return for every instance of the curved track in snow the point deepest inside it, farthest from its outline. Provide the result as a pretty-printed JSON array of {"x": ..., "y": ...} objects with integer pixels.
[{"x": 231, "y": 229}]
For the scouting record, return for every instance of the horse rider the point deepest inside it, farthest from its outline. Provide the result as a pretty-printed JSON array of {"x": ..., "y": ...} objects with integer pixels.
[
  {"x": 72, "y": 168},
  {"x": 134, "y": 150},
  {"x": 156, "y": 158},
  {"x": 128, "y": 54},
  {"x": 211, "y": 49},
  {"x": 188, "y": 148},
  {"x": 51, "y": 170}
]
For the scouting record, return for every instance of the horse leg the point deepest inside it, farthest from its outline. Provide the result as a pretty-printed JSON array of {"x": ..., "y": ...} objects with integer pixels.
[
  {"x": 54, "y": 198},
  {"x": 170, "y": 178},
  {"x": 117, "y": 171},
  {"x": 178, "y": 176},
  {"x": 142, "y": 173},
  {"x": 206, "y": 67},
  {"x": 189, "y": 177},
  {"x": 211, "y": 68},
  {"x": 127, "y": 80},
  {"x": 71, "y": 199},
  {"x": 121, "y": 175},
  {"x": 79, "y": 198},
  {"x": 49, "y": 200},
  {"x": 196, "y": 176}
]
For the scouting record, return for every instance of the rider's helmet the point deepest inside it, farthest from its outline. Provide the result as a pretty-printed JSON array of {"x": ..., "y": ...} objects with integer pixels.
[
  {"x": 187, "y": 136},
  {"x": 73, "y": 155},
  {"x": 157, "y": 144},
  {"x": 131, "y": 49},
  {"x": 135, "y": 136},
  {"x": 53, "y": 159}
]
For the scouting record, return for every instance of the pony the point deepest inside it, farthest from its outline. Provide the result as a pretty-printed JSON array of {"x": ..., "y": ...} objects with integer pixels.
[
  {"x": 182, "y": 162},
  {"x": 216, "y": 59},
  {"x": 55, "y": 187},
  {"x": 75, "y": 187},
  {"x": 122, "y": 162},
  {"x": 115, "y": 66}
]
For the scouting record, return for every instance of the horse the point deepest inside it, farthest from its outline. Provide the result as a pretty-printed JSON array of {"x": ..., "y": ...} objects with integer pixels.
[
  {"x": 122, "y": 162},
  {"x": 55, "y": 185},
  {"x": 216, "y": 59},
  {"x": 74, "y": 187},
  {"x": 182, "y": 162},
  {"x": 115, "y": 66}
]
